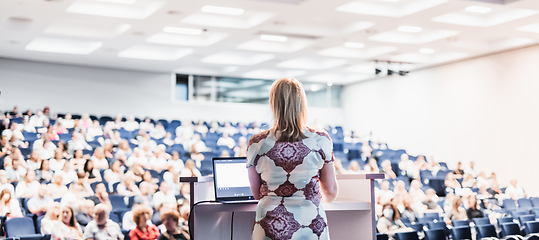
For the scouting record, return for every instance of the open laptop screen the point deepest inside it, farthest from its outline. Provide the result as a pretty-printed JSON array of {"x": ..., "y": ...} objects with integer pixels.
[{"x": 231, "y": 181}]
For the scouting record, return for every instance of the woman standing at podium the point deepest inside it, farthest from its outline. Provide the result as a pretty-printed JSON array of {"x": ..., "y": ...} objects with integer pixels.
[{"x": 291, "y": 170}]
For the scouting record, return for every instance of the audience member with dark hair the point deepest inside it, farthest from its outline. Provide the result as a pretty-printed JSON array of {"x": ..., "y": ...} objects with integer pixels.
[
  {"x": 67, "y": 228},
  {"x": 389, "y": 222}
]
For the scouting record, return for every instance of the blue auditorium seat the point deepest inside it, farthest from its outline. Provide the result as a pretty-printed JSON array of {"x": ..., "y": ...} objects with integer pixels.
[
  {"x": 407, "y": 236},
  {"x": 18, "y": 227},
  {"x": 486, "y": 231},
  {"x": 481, "y": 221},
  {"x": 435, "y": 234},
  {"x": 510, "y": 229},
  {"x": 461, "y": 233}
]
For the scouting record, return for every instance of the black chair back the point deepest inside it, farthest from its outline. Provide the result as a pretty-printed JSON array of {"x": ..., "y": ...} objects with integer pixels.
[
  {"x": 510, "y": 229},
  {"x": 436, "y": 234},
  {"x": 461, "y": 233},
  {"x": 486, "y": 231},
  {"x": 407, "y": 236}
]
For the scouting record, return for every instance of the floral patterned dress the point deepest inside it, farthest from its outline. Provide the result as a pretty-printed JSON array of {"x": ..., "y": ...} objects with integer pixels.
[{"x": 290, "y": 205}]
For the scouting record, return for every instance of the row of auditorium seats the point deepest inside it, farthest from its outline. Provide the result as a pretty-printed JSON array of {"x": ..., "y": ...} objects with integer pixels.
[{"x": 507, "y": 228}]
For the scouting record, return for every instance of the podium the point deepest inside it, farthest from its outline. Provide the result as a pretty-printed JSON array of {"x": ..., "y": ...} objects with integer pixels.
[{"x": 350, "y": 216}]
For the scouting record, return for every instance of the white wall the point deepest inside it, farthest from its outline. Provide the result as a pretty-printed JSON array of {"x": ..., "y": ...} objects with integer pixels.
[
  {"x": 100, "y": 91},
  {"x": 484, "y": 109}
]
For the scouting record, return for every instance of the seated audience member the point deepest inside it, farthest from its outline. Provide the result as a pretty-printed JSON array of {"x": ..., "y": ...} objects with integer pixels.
[
  {"x": 158, "y": 131},
  {"x": 52, "y": 218},
  {"x": 384, "y": 194},
  {"x": 171, "y": 222},
  {"x": 406, "y": 166},
  {"x": 114, "y": 174},
  {"x": 45, "y": 147},
  {"x": 14, "y": 171},
  {"x": 354, "y": 167},
  {"x": 127, "y": 220},
  {"x": 229, "y": 129},
  {"x": 4, "y": 182},
  {"x": 34, "y": 160},
  {"x": 94, "y": 131},
  {"x": 190, "y": 170},
  {"x": 168, "y": 141},
  {"x": 451, "y": 184},
  {"x": 226, "y": 140},
  {"x": 386, "y": 168},
  {"x": 91, "y": 173},
  {"x": 372, "y": 166},
  {"x": 408, "y": 211},
  {"x": 495, "y": 190},
  {"x": 175, "y": 162},
  {"x": 77, "y": 142},
  {"x": 86, "y": 212},
  {"x": 147, "y": 177},
  {"x": 201, "y": 128},
  {"x": 515, "y": 191},
  {"x": 101, "y": 195},
  {"x": 128, "y": 187},
  {"x": 131, "y": 124},
  {"x": 456, "y": 212},
  {"x": 99, "y": 159},
  {"x": 471, "y": 170},
  {"x": 431, "y": 202},
  {"x": 143, "y": 231},
  {"x": 78, "y": 161},
  {"x": 67, "y": 228},
  {"x": 44, "y": 173},
  {"x": 241, "y": 149},
  {"x": 81, "y": 188},
  {"x": 9, "y": 206},
  {"x": 38, "y": 204},
  {"x": 469, "y": 181},
  {"x": 163, "y": 207},
  {"x": 101, "y": 227},
  {"x": 473, "y": 210},
  {"x": 163, "y": 195},
  {"x": 146, "y": 194},
  {"x": 29, "y": 187},
  {"x": 57, "y": 189},
  {"x": 57, "y": 162},
  {"x": 389, "y": 223},
  {"x": 400, "y": 189},
  {"x": 339, "y": 169},
  {"x": 158, "y": 160},
  {"x": 69, "y": 174}
]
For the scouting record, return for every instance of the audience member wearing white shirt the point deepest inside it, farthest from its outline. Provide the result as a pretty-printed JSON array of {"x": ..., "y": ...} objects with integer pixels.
[
  {"x": 29, "y": 187},
  {"x": 515, "y": 191},
  {"x": 226, "y": 140},
  {"x": 163, "y": 195}
]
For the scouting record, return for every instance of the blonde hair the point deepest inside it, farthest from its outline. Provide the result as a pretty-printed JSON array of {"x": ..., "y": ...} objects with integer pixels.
[{"x": 289, "y": 105}]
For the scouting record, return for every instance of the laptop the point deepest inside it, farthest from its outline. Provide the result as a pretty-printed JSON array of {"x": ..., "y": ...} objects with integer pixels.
[{"x": 231, "y": 180}]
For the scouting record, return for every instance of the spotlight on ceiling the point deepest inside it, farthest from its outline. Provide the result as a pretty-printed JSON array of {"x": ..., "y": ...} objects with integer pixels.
[
  {"x": 377, "y": 71},
  {"x": 390, "y": 72},
  {"x": 403, "y": 73}
]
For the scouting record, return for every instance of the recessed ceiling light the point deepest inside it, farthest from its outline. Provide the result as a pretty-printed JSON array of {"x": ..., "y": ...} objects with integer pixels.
[
  {"x": 426, "y": 50},
  {"x": 63, "y": 46},
  {"x": 354, "y": 45},
  {"x": 478, "y": 9},
  {"x": 120, "y": 1},
  {"x": 412, "y": 29},
  {"x": 223, "y": 10},
  {"x": 190, "y": 31},
  {"x": 274, "y": 38},
  {"x": 314, "y": 88},
  {"x": 154, "y": 53}
]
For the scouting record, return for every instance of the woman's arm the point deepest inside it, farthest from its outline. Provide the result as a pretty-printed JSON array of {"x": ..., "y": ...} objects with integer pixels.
[
  {"x": 256, "y": 182},
  {"x": 328, "y": 183}
]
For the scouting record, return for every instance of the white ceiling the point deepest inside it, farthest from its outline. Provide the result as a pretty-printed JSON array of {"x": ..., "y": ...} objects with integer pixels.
[{"x": 150, "y": 35}]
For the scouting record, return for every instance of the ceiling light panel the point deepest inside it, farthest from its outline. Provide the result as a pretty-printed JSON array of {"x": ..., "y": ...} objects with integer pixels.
[
  {"x": 90, "y": 29},
  {"x": 532, "y": 28},
  {"x": 139, "y": 10},
  {"x": 273, "y": 38},
  {"x": 424, "y": 58},
  {"x": 354, "y": 45},
  {"x": 292, "y": 45},
  {"x": 410, "y": 29},
  {"x": 385, "y": 9},
  {"x": 63, "y": 46},
  {"x": 237, "y": 58},
  {"x": 424, "y": 36},
  {"x": 202, "y": 40},
  {"x": 189, "y": 31},
  {"x": 246, "y": 20},
  {"x": 158, "y": 53},
  {"x": 308, "y": 63},
  {"x": 336, "y": 78},
  {"x": 489, "y": 20},
  {"x": 345, "y": 52},
  {"x": 478, "y": 9},
  {"x": 426, "y": 50},
  {"x": 223, "y": 10},
  {"x": 273, "y": 73}
]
